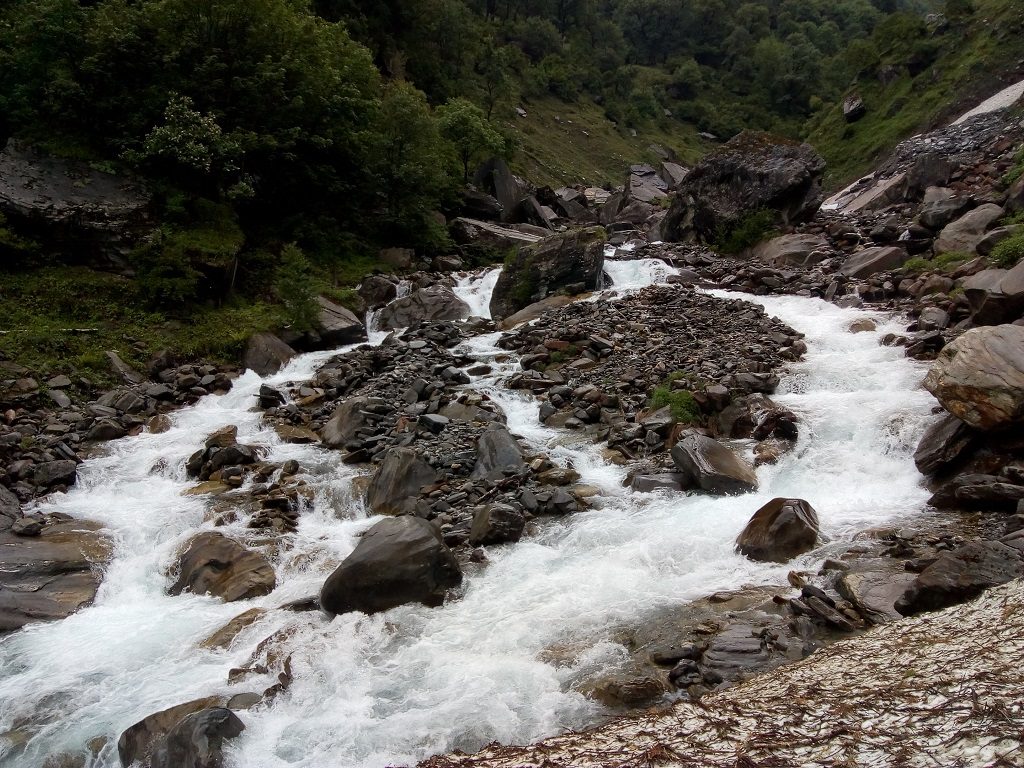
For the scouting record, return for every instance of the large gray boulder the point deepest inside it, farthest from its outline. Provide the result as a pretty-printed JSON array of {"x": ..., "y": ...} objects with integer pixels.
[
  {"x": 779, "y": 531},
  {"x": 138, "y": 742},
  {"x": 495, "y": 178},
  {"x": 979, "y": 377},
  {"x": 399, "y": 560},
  {"x": 996, "y": 295},
  {"x": 432, "y": 304},
  {"x": 50, "y": 576},
  {"x": 941, "y": 206},
  {"x": 398, "y": 481},
  {"x": 964, "y": 234},
  {"x": 645, "y": 184},
  {"x": 713, "y": 467},
  {"x": 213, "y": 564},
  {"x": 871, "y": 260},
  {"x": 961, "y": 575},
  {"x": 499, "y": 237},
  {"x": 791, "y": 250},
  {"x": 942, "y": 444},
  {"x": 497, "y": 524},
  {"x": 498, "y": 453},
  {"x": 754, "y": 171},
  {"x": 348, "y": 419},
  {"x": 266, "y": 354},
  {"x": 335, "y": 326},
  {"x": 573, "y": 261}
]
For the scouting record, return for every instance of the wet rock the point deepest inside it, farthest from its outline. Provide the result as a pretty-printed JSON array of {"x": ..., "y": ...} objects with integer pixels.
[
  {"x": 213, "y": 564},
  {"x": 964, "y": 234},
  {"x": 398, "y": 481},
  {"x": 137, "y": 742},
  {"x": 625, "y": 691},
  {"x": 752, "y": 171},
  {"x": 942, "y": 444},
  {"x": 224, "y": 636},
  {"x": 874, "y": 593},
  {"x": 266, "y": 354},
  {"x": 670, "y": 481},
  {"x": 496, "y": 524},
  {"x": 377, "y": 291},
  {"x": 432, "y": 304},
  {"x": 297, "y": 435},
  {"x": 555, "y": 263},
  {"x": 52, "y": 575},
  {"x": 980, "y": 377},
  {"x": 51, "y": 473},
  {"x": 348, "y": 419},
  {"x": 779, "y": 531},
  {"x": 399, "y": 560},
  {"x": 10, "y": 508},
  {"x": 713, "y": 467},
  {"x": 958, "y": 576},
  {"x": 498, "y": 454}
]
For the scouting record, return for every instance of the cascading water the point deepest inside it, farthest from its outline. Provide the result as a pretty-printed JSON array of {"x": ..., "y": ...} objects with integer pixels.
[{"x": 394, "y": 688}]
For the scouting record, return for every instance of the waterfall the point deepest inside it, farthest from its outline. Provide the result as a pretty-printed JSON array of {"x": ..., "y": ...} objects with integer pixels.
[{"x": 394, "y": 688}]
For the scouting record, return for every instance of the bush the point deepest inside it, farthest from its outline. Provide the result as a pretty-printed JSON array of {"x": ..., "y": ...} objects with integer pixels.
[
  {"x": 682, "y": 404},
  {"x": 747, "y": 232},
  {"x": 917, "y": 265},
  {"x": 1009, "y": 253}
]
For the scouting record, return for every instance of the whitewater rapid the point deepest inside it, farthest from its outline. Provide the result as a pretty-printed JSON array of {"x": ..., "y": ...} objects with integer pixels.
[{"x": 499, "y": 661}]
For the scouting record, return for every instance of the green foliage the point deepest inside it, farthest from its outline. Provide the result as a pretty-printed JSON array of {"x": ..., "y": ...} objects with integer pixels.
[
  {"x": 917, "y": 265},
  {"x": 14, "y": 248},
  {"x": 745, "y": 233},
  {"x": 464, "y": 125},
  {"x": 1009, "y": 253},
  {"x": 681, "y": 403},
  {"x": 951, "y": 259},
  {"x": 296, "y": 287},
  {"x": 1017, "y": 169}
]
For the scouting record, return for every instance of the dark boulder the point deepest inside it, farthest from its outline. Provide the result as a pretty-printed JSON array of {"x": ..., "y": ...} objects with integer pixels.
[
  {"x": 347, "y": 420},
  {"x": 434, "y": 304},
  {"x": 377, "y": 291},
  {"x": 754, "y": 171},
  {"x": 498, "y": 453},
  {"x": 497, "y": 524},
  {"x": 10, "y": 508},
  {"x": 495, "y": 178},
  {"x": 712, "y": 466},
  {"x": 958, "y": 576},
  {"x": 945, "y": 441},
  {"x": 266, "y": 354},
  {"x": 996, "y": 295},
  {"x": 399, "y": 560},
  {"x": 335, "y": 326},
  {"x": 51, "y": 473},
  {"x": 399, "y": 479},
  {"x": 197, "y": 741},
  {"x": 553, "y": 264},
  {"x": 137, "y": 742},
  {"x": 854, "y": 108},
  {"x": 779, "y": 531},
  {"x": 216, "y": 565}
]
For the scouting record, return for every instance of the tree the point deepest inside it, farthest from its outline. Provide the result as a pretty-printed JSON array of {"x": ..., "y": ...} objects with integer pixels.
[
  {"x": 295, "y": 286},
  {"x": 466, "y": 128}
]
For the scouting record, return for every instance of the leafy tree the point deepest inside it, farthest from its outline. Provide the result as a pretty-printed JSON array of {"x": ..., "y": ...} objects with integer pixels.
[
  {"x": 295, "y": 285},
  {"x": 465, "y": 127}
]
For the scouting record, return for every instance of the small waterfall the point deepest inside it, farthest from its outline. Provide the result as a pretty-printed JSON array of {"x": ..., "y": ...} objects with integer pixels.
[
  {"x": 475, "y": 289},
  {"x": 372, "y": 691},
  {"x": 633, "y": 275}
]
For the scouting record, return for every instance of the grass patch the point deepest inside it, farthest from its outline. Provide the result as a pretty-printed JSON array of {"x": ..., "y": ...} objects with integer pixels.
[
  {"x": 1009, "y": 253},
  {"x": 681, "y": 403},
  {"x": 750, "y": 230}
]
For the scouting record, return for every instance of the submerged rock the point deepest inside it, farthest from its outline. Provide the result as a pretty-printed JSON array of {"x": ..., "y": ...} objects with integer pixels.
[
  {"x": 213, "y": 564},
  {"x": 779, "y": 531},
  {"x": 399, "y": 560}
]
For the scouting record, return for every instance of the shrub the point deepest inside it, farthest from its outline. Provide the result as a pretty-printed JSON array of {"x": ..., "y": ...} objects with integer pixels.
[
  {"x": 745, "y": 233},
  {"x": 951, "y": 259},
  {"x": 1009, "y": 253},
  {"x": 917, "y": 265},
  {"x": 682, "y": 404}
]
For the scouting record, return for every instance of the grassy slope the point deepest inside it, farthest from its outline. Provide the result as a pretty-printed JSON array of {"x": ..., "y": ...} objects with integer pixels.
[
  {"x": 582, "y": 146},
  {"x": 970, "y": 68}
]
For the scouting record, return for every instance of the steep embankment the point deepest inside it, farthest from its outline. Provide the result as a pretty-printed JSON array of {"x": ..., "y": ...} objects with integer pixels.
[{"x": 920, "y": 84}]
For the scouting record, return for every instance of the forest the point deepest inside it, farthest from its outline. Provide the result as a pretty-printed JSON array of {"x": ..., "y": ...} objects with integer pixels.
[{"x": 292, "y": 138}]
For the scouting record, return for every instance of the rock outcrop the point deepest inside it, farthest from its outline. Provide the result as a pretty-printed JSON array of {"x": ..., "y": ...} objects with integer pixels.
[
  {"x": 980, "y": 377},
  {"x": 399, "y": 560},
  {"x": 754, "y": 171},
  {"x": 779, "y": 531},
  {"x": 961, "y": 575},
  {"x": 712, "y": 466},
  {"x": 432, "y": 304},
  {"x": 572, "y": 262}
]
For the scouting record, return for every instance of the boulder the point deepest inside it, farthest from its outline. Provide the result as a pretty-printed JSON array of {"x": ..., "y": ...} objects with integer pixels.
[
  {"x": 535, "y": 310},
  {"x": 10, "y": 508},
  {"x": 930, "y": 169},
  {"x": 480, "y": 205},
  {"x": 197, "y": 741},
  {"x": 996, "y": 295},
  {"x": 872, "y": 260},
  {"x": 498, "y": 237},
  {"x": 213, "y": 564},
  {"x": 51, "y": 473},
  {"x": 645, "y": 185},
  {"x": 874, "y": 593},
  {"x": 673, "y": 174},
  {"x": 377, "y": 291},
  {"x": 779, "y": 531},
  {"x": 498, "y": 453},
  {"x": 348, "y": 419},
  {"x": 137, "y": 742},
  {"x": 961, "y": 575},
  {"x": 979, "y": 377},
  {"x": 752, "y": 171},
  {"x": 266, "y": 354},
  {"x": 881, "y": 194},
  {"x": 399, "y": 258},
  {"x": 945, "y": 441},
  {"x": 791, "y": 250},
  {"x": 401, "y": 476},
  {"x": 994, "y": 237},
  {"x": 495, "y": 178},
  {"x": 964, "y": 234},
  {"x": 558, "y": 262},
  {"x": 399, "y": 560},
  {"x": 713, "y": 467},
  {"x": 854, "y": 108},
  {"x": 941, "y": 206},
  {"x": 52, "y": 575},
  {"x": 432, "y": 304},
  {"x": 496, "y": 524},
  {"x": 337, "y": 326}
]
